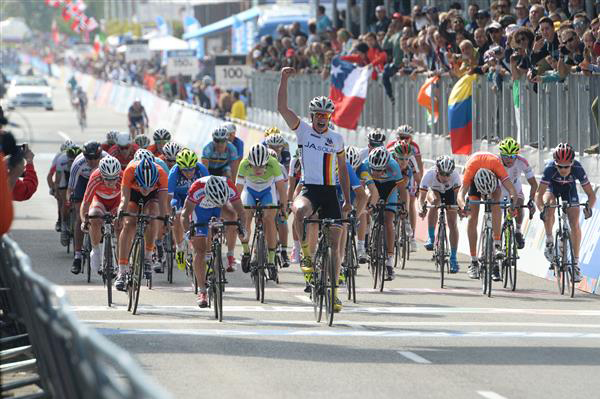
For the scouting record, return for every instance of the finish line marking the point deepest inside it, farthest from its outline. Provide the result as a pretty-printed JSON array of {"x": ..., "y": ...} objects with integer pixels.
[
  {"x": 414, "y": 357},
  {"x": 490, "y": 395}
]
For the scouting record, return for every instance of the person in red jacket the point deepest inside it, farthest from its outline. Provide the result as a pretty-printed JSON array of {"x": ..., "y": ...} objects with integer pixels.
[
  {"x": 368, "y": 53},
  {"x": 26, "y": 186}
]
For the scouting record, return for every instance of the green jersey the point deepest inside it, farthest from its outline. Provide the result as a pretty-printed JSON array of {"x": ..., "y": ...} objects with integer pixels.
[{"x": 248, "y": 178}]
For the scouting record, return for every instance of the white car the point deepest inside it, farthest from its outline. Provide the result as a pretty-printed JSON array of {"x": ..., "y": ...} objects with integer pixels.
[{"x": 27, "y": 91}]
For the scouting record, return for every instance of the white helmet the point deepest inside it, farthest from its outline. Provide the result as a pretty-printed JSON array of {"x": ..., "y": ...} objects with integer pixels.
[
  {"x": 220, "y": 133},
  {"x": 258, "y": 155},
  {"x": 273, "y": 153},
  {"x": 444, "y": 164},
  {"x": 123, "y": 139},
  {"x": 216, "y": 190},
  {"x": 231, "y": 128},
  {"x": 404, "y": 131},
  {"x": 111, "y": 136},
  {"x": 110, "y": 167},
  {"x": 321, "y": 104},
  {"x": 352, "y": 156},
  {"x": 485, "y": 181},
  {"x": 64, "y": 146},
  {"x": 376, "y": 136},
  {"x": 142, "y": 141},
  {"x": 170, "y": 150},
  {"x": 142, "y": 154},
  {"x": 161, "y": 134},
  {"x": 275, "y": 140},
  {"x": 379, "y": 158}
]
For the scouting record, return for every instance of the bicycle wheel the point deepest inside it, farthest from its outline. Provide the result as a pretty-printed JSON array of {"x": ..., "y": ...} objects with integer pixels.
[
  {"x": 170, "y": 256},
  {"x": 85, "y": 257},
  {"x": 317, "y": 285},
  {"x": 108, "y": 267},
  {"x": 507, "y": 251},
  {"x": 558, "y": 265},
  {"x": 490, "y": 262},
  {"x": 440, "y": 253},
  {"x": 219, "y": 273},
  {"x": 405, "y": 244},
  {"x": 567, "y": 254},
  {"x": 483, "y": 268},
  {"x": 331, "y": 283},
  {"x": 381, "y": 257},
  {"x": 397, "y": 242},
  {"x": 373, "y": 256},
  {"x": 261, "y": 267},
  {"x": 138, "y": 268},
  {"x": 351, "y": 260}
]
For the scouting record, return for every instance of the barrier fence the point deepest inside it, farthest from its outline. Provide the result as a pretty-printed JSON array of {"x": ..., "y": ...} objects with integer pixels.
[
  {"x": 544, "y": 113},
  {"x": 71, "y": 360}
]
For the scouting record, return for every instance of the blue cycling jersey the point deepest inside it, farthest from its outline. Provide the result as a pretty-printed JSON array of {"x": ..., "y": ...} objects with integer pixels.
[
  {"x": 179, "y": 184},
  {"x": 162, "y": 164},
  {"x": 218, "y": 160},
  {"x": 354, "y": 183},
  {"x": 392, "y": 172},
  {"x": 551, "y": 176},
  {"x": 239, "y": 146}
]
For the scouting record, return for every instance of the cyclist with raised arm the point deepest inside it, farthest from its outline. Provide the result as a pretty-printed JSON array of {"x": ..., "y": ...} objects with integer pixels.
[
  {"x": 161, "y": 137},
  {"x": 111, "y": 139},
  {"x": 206, "y": 198},
  {"x": 137, "y": 116},
  {"x": 322, "y": 150},
  {"x": 181, "y": 177},
  {"x": 439, "y": 186},
  {"x": 143, "y": 181},
  {"x": 169, "y": 155},
  {"x": 559, "y": 181},
  {"x": 102, "y": 196},
  {"x": 516, "y": 166},
  {"x": 220, "y": 156},
  {"x": 260, "y": 179},
  {"x": 481, "y": 175},
  {"x": 123, "y": 149},
  {"x": 81, "y": 169},
  {"x": 390, "y": 184}
]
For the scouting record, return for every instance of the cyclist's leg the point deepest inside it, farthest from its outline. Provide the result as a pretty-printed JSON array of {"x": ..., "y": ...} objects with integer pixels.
[
  {"x": 497, "y": 216},
  {"x": 97, "y": 208},
  {"x": 128, "y": 224},
  {"x": 151, "y": 208},
  {"x": 200, "y": 242},
  {"x": 549, "y": 199},
  {"x": 230, "y": 215},
  {"x": 247, "y": 200},
  {"x": 433, "y": 198},
  {"x": 573, "y": 214},
  {"x": 472, "y": 222},
  {"x": 303, "y": 208}
]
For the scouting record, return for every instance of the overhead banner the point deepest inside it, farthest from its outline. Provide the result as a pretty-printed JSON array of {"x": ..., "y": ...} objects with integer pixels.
[
  {"x": 182, "y": 62},
  {"x": 231, "y": 72},
  {"x": 137, "y": 50}
]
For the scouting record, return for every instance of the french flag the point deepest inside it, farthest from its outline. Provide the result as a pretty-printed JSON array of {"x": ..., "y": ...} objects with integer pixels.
[{"x": 348, "y": 91}]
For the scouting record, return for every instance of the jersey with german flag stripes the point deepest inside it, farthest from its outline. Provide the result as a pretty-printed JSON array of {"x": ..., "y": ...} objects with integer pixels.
[
  {"x": 484, "y": 160},
  {"x": 97, "y": 187},
  {"x": 318, "y": 154}
]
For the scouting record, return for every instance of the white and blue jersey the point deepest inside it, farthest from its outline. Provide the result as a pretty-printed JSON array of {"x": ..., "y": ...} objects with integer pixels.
[
  {"x": 354, "y": 184},
  {"x": 564, "y": 187},
  {"x": 179, "y": 185}
]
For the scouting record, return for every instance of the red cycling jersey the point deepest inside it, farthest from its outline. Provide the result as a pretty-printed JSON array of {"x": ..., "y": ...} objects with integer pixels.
[
  {"x": 124, "y": 159},
  {"x": 99, "y": 190}
]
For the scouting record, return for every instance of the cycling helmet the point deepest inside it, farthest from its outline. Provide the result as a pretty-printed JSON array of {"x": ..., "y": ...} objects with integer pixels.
[
  {"x": 485, "y": 181},
  {"x": 563, "y": 153},
  {"x": 444, "y": 165},
  {"x": 403, "y": 148},
  {"x": 271, "y": 130},
  {"x": 73, "y": 151},
  {"x": 231, "y": 128},
  {"x": 110, "y": 167},
  {"x": 146, "y": 174},
  {"x": 321, "y": 104},
  {"x": 376, "y": 136},
  {"x": 207, "y": 80},
  {"x": 275, "y": 140},
  {"x": 123, "y": 139},
  {"x": 509, "y": 146},
  {"x": 273, "y": 153},
  {"x": 142, "y": 141},
  {"x": 111, "y": 137},
  {"x": 186, "y": 159},
  {"x": 220, "y": 134},
  {"x": 170, "y": 150},
  {"x": 64, "y": 146},
  {"x": 216, "y": 190},
  {"x": 404, "y": 131},
  {"x": 161, "y": 135},
  {"x": 92, "y": 150},
  {"x": 379, "y": 158},
  {"x": 258, "y": 155},
  {"x": 142, "y": 154},
  {"x": 352, "y": 156}
]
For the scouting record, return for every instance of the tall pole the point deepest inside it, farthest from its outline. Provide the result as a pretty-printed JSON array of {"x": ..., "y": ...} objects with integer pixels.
[
  {"x": 348, "y": 21},
  {"x": 334, "y": 13},
  {"x": 363, "y": 17}
]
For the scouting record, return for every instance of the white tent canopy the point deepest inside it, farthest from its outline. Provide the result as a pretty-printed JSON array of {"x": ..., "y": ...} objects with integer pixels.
[
  {"x": 14, "y": 30},
  {"x": 164, "y": 43}
]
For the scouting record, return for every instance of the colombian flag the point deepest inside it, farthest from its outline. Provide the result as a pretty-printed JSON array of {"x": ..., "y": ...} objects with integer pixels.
[
  {"x": 426, "y": 94},
  {"x": 459, "y": 115}
]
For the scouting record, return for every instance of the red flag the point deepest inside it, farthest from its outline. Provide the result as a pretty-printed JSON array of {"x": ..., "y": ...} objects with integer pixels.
[
  {"x": 348, "y": 91},
  {"x": 425, "y": 96},
  {"x": 55, "y": 37},
  {"x": 66, "y": 14}
]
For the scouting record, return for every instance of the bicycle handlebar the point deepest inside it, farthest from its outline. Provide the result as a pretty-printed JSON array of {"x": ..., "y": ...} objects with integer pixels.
[{"x": 262, "y": 207}]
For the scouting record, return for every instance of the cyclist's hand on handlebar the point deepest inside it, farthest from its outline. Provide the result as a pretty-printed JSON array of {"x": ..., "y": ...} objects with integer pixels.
[
  {"x": 587, "y": 211},
  {"x": 347, "y": 207}
]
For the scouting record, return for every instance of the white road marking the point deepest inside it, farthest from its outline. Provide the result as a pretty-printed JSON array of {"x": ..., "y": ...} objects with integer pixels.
[
  {"x": 174, "y": 309},
  {"x": 63, "y": 135},
  {"x": 414, "y": 357},
  {"x": 490, "y": 395},
  {"x": 303, "y": 298}
]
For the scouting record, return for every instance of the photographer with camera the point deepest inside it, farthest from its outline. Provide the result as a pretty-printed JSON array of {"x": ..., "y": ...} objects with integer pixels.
[
  {"x": 26, "y": 185},
  {"x": 7, "y": 146}
]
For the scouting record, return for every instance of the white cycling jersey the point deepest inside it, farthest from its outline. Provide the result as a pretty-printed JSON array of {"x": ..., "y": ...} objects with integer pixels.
[
  {"x": 431, "y": 182},
  {"x": 80, "y": 168},
  {"x": 519, "y": 167},
  {"x": 62, "y": 167}
]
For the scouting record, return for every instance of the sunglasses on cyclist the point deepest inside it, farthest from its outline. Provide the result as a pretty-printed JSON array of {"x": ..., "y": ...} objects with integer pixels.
[
  {"x": 188, "y": 170},
  {"x": 163, "y": 142},
  {"x": 91, "y": 157},
  {"x": 443, "y": 174},
  {"x": 111, "y": 179},
  {"x": 403, "y": 158},
  {"x": 563, "y": 166},
  {"x": 123, "y": 147},
  {"x": 509, "y": 156},
  {"x": 220, "y": 141},
  {"x": 322, "y": 115},
  {"x": 375, "y": 144}
]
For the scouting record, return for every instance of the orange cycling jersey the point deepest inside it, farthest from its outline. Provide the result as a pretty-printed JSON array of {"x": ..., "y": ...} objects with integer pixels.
[
  {"x": 484, "y": 160},
  {"x": 96, "y": 187},
  {"x": 129, "y": 181},
  {"x": 154, "y": 149}
]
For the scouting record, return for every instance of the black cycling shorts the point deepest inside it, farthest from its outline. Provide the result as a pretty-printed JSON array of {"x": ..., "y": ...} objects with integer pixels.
[
  {"x": 79, "y": 191},
  {"x": 473, "y": 192},
  {"x": 134, "y": 120},
  {"x": 136, "y": 196},
  {"x": 323, "y": 199},
  {"x": 385, "y": 188},
  {"x": 219, "y": 171},
  {"x": 448, "y": 198}
]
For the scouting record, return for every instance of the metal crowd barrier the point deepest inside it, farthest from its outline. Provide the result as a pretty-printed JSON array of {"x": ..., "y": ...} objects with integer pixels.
[
  {"x": 71, "y": 360},
  {"x": 548, "y": 112}
]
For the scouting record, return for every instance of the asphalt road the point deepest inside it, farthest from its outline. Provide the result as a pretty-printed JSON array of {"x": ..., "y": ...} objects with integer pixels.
[{"x": 413, "y": 340}]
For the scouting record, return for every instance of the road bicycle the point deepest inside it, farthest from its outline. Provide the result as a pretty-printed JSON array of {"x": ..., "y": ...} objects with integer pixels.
[
  {"x": 441, "y": 248},
  {"x": 70, "y": 227},
  {"x": 86, "y": 250},
  {"x": 509, "y": 247},
  {"x": 169, "y": 250},
  {"x": 137, "y": 257},
  {"x": 377, "y": 248},
  {"x": 109, "y": 252},
  {"x": 350, "y": 262},
  {"x": 563, "y": 259},
  {"x": 401, "y": 240},
  {"x": 259, "y": 270}
]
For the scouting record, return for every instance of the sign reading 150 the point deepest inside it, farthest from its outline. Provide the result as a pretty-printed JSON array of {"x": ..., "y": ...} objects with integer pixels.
[{"x": 182, "y": 62}]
